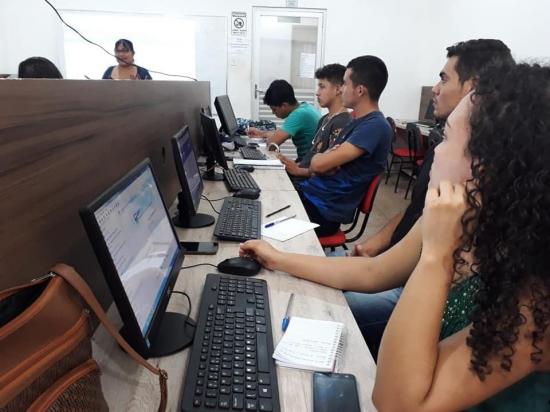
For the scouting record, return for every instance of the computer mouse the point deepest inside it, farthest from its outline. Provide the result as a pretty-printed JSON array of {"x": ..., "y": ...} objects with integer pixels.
[
  {"x": 253, "y": 145},
  {"x": 248, "y": 168},
  {"x": 242, "y": 266},
  {"x": 247, "y": 193}
]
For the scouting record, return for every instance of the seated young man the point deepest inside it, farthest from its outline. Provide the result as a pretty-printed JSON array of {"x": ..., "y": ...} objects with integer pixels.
[
  {"x": 329, "y": 95},
  {"x": 465, "y": 61},
  {"x": 300, "y": 118},
  {"x": 342, "y": 174}
]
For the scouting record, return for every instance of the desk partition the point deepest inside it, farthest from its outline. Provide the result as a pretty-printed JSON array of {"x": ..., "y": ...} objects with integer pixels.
[{"x": 62, "y": 142}]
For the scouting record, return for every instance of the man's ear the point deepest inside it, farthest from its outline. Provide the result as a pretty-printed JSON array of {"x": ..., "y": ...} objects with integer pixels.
[{"x": 469, "y": 85}]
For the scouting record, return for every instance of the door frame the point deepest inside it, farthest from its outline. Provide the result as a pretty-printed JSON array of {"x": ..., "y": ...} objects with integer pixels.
[{"x": 258, "y": 11}]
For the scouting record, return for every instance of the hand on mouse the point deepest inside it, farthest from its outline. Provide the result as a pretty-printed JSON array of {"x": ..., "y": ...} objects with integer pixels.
[{"x": 262, "y": 251}]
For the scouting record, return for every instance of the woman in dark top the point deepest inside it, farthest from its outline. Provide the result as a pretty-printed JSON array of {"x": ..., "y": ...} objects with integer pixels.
[{"x": 126, "y": 69}]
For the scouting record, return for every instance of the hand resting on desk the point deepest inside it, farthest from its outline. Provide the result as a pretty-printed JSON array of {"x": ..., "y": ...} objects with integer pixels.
[{"x": 261, "y": 251}]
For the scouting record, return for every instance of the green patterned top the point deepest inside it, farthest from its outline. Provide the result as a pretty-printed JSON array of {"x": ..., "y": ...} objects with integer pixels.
[{"x": 531, "y": 394}]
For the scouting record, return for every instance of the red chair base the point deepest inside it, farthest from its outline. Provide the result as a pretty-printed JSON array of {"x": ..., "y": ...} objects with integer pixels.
[{"x": 338, "y": 239}]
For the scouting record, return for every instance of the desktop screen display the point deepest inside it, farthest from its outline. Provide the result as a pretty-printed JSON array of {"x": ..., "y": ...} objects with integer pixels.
[
  {"x": 142, "y": 244},
  {"x": 226, "y": 114},
  {"x": 191, "y": 174}
]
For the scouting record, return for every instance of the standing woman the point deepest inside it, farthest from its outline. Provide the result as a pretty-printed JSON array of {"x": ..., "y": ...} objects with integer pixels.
[{"x": 126, "y": 69}]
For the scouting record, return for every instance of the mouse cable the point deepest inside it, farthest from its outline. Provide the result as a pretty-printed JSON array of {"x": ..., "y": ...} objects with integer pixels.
[
  {"x": 211, "y": 205},
  {"x": 199, "y": 264},
  {"x": 108, "y": 52},
  {"x": 188, "y": 300},
  {"x": 216, "y": 200}
]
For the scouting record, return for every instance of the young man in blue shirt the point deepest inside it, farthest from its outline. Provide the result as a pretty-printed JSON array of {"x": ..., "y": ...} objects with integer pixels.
[
  {"x": 341, "y": 175},
  {"x": 301, "y": 119}
]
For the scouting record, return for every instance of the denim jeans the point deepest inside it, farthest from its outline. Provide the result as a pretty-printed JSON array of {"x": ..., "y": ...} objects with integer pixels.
[{"x": 372, "y": 312}]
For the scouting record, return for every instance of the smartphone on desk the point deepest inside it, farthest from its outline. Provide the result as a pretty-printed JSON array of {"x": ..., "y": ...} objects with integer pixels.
[
  {"x": 199, "y": 248},
  {"x": 335, "y": 392}
]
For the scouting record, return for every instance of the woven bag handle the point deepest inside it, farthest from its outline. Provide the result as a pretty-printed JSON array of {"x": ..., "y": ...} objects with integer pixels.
[{"x": 75, "y": 280}]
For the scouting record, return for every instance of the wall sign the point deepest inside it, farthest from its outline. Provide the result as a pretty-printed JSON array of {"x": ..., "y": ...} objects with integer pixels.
[{"x": 239, "y": 25}]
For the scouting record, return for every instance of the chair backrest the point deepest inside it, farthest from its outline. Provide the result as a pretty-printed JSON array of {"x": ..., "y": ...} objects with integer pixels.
[
  {"x": 435, "y": 137},
  {"x": 368, "y": 199},
  {"x": 417, "y": 145},
  {"x": 393, "y": 128}
]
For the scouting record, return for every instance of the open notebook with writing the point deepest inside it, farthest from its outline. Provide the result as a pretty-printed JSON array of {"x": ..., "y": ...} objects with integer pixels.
[{"x": 310, "y": 344}]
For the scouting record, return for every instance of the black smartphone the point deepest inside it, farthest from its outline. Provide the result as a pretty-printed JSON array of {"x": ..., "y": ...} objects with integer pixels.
[
  {"x": 199, "y": 248},
  {"x": 335, "y": 392}
]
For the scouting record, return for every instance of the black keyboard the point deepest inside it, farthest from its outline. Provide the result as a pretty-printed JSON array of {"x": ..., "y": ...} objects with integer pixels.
[
  {"x": 239, "y": 220},
  {"x": 239, "y": 179},
  {"x": 252, "y": 154},
  {"x": 230, "y": 366}
]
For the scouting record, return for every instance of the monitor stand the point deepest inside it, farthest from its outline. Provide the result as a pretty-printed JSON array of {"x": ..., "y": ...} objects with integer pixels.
[
  {"x": 211, "y": 173},
  {"x": 175, "y": 332},
  {"x": 185, "y": 219}
]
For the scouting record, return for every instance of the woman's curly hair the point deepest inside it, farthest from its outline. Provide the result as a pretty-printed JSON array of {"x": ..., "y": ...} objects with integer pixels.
[{"x": 509, "y": 206}]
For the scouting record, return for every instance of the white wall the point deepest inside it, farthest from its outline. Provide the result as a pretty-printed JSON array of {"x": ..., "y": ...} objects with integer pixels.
[{"x": 410, "y": 36}]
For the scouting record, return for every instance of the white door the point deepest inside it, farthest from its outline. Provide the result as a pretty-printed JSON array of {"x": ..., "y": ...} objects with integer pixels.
[{"x": 287, "y": 43}]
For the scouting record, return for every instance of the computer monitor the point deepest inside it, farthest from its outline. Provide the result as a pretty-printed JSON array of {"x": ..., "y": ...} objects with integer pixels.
[
  {"x": 226, "y": 114},
  {"x": 214, "y": 149},
  {"x": 191, "y": 183},
  {"x": 140, "y": 255},
  {"x": 429, "y": 115}
]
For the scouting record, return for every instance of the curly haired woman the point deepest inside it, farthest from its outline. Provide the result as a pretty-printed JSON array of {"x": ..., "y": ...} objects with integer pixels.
[{"x": 478, "y": 337}]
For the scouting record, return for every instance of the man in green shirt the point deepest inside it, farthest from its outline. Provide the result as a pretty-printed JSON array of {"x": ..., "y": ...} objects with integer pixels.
[{"x": 301, "y": 119}]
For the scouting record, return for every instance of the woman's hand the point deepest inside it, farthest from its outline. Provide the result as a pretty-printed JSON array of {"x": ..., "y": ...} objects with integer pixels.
[
  {"x": 442, "y": 225},
  {"x": 262, "y": 251}
]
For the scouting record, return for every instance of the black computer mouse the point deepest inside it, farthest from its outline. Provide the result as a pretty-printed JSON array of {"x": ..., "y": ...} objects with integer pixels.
[
  {"x": 253, "y": 145},
  {"x": 248, "y": 193},
  {"x": 248, "y": 168},
  {"x": 242, "y": 266}
]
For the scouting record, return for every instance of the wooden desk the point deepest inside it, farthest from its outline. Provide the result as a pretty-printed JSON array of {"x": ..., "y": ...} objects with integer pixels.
[{"x": 130, "y": 387}]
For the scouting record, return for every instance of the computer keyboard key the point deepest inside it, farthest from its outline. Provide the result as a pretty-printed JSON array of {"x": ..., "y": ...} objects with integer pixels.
[
  {"x": 238, "y": 402},
  {"x": 251, "y": 405},
  {"x": 263, "y": 356},
  {"x": 265, "y": 391},
  {"x": 266, "y": 405}
]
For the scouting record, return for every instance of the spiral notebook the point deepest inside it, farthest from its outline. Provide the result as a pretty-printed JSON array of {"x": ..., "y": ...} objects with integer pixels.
[{"x": 310, "y": 344}]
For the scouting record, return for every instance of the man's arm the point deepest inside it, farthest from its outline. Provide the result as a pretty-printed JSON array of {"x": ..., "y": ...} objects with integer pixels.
[
  {"x": 361, "y": 274},
  {"x": 274, "y": 136},
  {"x": 378, "y": 242},
  {"x": 293, "y": 168},
  {"x": 331, "y": 159}
]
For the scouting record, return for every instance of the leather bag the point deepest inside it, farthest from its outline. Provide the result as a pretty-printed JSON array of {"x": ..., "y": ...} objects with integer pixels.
[{"x": 46, "y": 359}]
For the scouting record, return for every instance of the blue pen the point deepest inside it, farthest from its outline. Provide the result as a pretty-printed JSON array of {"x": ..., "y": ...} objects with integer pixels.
[
  {"x": 286, "y": 319},
  {"x": 275, "y": 222}
]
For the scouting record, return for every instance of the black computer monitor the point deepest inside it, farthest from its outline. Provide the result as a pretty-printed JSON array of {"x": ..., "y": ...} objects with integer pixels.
[
  {"x": 191, "y": 183},
  {"x": 139, "y": 252},
  {"x": 214, "y": 149},
  {"x": 226, "y": 114},
  {"x": 429, "y": 115}
]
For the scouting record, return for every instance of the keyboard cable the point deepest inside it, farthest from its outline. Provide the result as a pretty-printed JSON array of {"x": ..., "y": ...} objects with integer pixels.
[
  {"x": 187, "y": 320},
  {"x": 211, "y": 205}
]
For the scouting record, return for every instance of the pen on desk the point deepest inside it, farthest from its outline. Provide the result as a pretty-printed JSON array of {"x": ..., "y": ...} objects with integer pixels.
[
  {"x": 275, "y": 222},
  {"x": 286, "y": 319},
  {"x": 277, "y": 211}
]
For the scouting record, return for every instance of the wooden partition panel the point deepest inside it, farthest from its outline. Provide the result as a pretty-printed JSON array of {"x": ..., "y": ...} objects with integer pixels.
[{"x": 63, "y": 142}]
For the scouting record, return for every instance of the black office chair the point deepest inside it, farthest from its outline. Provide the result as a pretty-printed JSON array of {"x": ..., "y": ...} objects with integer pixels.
[
  {"x": 397, "y": 154},
  {"x": 417, "y": 150}
]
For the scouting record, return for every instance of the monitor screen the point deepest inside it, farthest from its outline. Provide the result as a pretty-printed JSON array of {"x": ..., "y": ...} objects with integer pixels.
[
  {"x": 226, "y": 114},
  {"x": 212, "y": 141},
  {"x": 187, "y": 168},
  {"x": 136, "y": 244}
]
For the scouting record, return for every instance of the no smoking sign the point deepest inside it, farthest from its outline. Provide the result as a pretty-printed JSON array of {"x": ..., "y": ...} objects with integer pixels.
[{"x": 238, "y": 23}]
